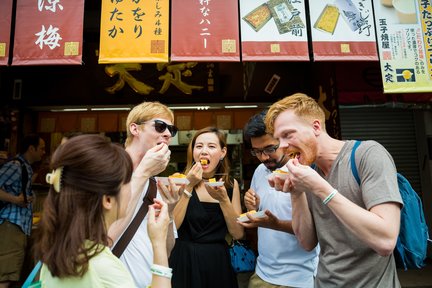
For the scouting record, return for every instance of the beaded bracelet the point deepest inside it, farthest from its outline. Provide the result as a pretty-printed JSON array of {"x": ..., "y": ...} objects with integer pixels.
[
  {"x": 188, "y": 194},
  {"x": 161, "y": 271},
  {"x": 330, "y": 197}
]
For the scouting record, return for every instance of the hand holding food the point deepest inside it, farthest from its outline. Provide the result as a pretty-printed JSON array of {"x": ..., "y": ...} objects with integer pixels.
[
  {"x": 154, "y": 161},
  {"x": 157, "y": 225},
  {"x": 195, "y": 175},
  {"x": 251, "y": 200},
  {"x": 243, "y": 217}
]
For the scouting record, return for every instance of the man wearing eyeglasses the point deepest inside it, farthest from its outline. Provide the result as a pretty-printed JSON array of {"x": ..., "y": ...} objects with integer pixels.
[
  {"x": 149, "y": 131},
  {"x": 282, "y": 262}
]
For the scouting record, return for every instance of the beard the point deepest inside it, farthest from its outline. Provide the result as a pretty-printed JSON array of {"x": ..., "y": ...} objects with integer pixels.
[{"x": 273, "y": 164}]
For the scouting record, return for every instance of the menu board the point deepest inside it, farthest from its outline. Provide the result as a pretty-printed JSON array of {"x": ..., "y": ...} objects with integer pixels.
[{"x": 405, "y": 44}]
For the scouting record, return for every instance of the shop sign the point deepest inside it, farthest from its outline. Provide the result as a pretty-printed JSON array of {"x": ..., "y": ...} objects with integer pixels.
[
  {"x": 273, "y": 30},
  {"x": 134, "y": 31},
  {"x": 48, "y": 32},
  {"x": 404, "y": 29},
  {"x": 5, "y": 30},
  {"x": 205, "y": 30},
  {"x": 342, "y": 30}
]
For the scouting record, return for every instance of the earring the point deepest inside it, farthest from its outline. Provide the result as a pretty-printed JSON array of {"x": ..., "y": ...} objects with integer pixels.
[{"x": 221, "y": 159}]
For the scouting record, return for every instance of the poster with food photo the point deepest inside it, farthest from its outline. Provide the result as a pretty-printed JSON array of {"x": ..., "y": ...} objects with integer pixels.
[
  {"x": 342, "y": 30},
  {"x": 273, "y": 30}
]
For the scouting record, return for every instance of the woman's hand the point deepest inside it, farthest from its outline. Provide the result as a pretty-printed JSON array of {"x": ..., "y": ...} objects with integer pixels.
[
  {"x": 158, "y": 221},
  {"x": 217, "y": 192},
  {"x": 195, "y": 174}
]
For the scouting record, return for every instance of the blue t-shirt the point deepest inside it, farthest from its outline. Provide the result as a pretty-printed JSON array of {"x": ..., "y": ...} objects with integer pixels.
[{"x": 10, "y": 182}]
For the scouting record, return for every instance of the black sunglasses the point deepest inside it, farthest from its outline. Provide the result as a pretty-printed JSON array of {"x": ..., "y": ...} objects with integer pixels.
[{"x": 160, "y": 127}]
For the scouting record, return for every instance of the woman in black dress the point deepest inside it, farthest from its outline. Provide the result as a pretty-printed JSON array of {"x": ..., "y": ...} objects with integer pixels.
[{"x": 204, "y": 215}]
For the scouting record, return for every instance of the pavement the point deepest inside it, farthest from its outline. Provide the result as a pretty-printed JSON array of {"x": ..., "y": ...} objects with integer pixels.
[{"x": 417, "y": 278}]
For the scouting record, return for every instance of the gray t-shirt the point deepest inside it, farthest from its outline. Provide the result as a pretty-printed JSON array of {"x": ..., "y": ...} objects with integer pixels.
[{"x": 345, "y": 261}]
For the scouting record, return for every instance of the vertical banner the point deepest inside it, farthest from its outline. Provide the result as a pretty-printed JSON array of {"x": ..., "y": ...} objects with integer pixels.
[
  {"x": 343, "y": 30},
  {"x": 205, "y": 30},
  {"x": 405, "y": 44},
  {"x": 48, "y": 32},
  {"x": 134, "y": 31},
  {"x": 273, "y": 30},
  {"x": 5, "y": 29}
]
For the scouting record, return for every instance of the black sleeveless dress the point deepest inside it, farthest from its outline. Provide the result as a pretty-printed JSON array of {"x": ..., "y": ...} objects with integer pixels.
[{"x": 200, "y": 258}]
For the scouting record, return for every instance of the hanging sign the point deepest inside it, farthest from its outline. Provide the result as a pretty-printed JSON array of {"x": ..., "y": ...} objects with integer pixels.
[
  {"x": 5, "y": 30},
  {"x": 342, "y": 30},
  {"x": 404, "y": 29},
  {"x": 48, "y": 32},
  {"x": 134, "y": 31},
  {"x": 273, "y": 30},
  {"x": 204, "y": 30}
]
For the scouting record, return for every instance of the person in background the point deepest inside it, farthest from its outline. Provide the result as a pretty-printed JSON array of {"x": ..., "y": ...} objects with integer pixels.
[
  {"x": 16, "y": 208},
  {"x": 149, "y": 132},
  {"x": 204, "y": 215},
  {"x": 90, "y": 189},
  {"x": 356, "y": 227},
  {"x": 281, "y": 262}
]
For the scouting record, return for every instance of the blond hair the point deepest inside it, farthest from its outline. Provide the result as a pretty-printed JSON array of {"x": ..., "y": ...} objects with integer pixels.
[
  {"x": 144, "y": 112},
  {"x": 303, "y": 106}
]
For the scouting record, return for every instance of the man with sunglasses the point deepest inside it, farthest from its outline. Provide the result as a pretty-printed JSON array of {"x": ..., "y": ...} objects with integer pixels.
[
  {"x": 282, "y": 262},
  {"x": 149, "y": 132}
]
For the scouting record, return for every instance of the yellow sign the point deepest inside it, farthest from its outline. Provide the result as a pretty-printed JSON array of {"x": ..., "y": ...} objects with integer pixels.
[
  {"x": 134, "y": 31},
  {"x": 405, "y": 45}
]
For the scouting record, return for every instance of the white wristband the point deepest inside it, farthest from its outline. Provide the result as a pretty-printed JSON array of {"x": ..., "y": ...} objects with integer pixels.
[
  {"x": 161, "y": 271},
  {"x": 330, "y": 197},
  {"x": 188, "y": 194}
]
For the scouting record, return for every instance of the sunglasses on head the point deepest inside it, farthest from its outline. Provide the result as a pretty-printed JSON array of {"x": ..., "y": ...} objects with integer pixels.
[{"x": 160, "y": 127}]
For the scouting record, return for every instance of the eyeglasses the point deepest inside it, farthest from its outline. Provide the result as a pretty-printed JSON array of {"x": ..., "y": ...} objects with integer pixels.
[
  {"x": 160, "y": 127},
  {"x": 267, "y": 151}
]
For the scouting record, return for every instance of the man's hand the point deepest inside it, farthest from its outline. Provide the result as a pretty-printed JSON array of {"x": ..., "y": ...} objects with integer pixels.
[
  {"x": 19, "y": 200},
  {"x": 251, "y": 200},
  {"x": 268, "y": 221},
  {"x": 154, "y": 161},
  {"x": 171, "y": 193}
]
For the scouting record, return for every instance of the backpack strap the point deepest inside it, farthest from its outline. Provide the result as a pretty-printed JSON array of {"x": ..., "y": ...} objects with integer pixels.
[
  {"x": 353, "y": 163},
  {"x": 130, "y": 231},
  {"x": 32, "y": 275}
]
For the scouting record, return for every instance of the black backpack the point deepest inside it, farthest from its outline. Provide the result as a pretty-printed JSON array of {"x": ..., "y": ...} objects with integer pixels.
[{"x": 24, "y": 180}]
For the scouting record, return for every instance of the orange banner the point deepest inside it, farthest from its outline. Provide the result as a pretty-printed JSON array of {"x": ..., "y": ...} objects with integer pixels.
[
  {"x": 134, "y": 31},
  {"x": 5, "y": 30},
  {"x": 48, "y": 32},
  {"x": 204, "y": 30}
]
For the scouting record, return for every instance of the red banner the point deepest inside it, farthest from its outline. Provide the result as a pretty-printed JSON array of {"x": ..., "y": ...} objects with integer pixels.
[
  {"x": 48, "y": 32},
  {"x": 204, "y": 30},
  {"x": 5, "y": 29}
]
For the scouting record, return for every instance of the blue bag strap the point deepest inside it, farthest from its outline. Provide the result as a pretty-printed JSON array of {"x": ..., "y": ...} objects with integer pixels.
[
  {"x": 32, "y": 275},
  {"x": 353, "y": 163}
]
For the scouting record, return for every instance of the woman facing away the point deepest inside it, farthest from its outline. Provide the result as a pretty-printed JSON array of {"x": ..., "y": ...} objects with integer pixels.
[
  {"x": 90, "y": 189},
  {"x": 204, "y": 215}
]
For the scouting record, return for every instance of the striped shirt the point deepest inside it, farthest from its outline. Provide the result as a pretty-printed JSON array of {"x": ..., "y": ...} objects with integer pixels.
[{"x": 10, "y": 182}]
